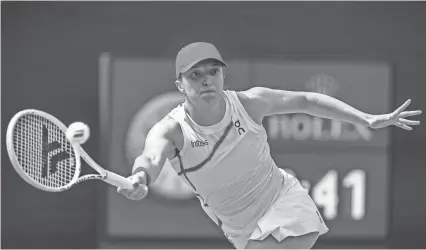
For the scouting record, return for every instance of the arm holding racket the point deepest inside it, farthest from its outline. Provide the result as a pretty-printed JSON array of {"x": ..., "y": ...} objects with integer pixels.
[{"x": 160, "y": 144}]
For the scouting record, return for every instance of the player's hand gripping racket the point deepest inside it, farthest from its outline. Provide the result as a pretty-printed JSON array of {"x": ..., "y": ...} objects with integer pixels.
[{"x": 43, "y": 156}]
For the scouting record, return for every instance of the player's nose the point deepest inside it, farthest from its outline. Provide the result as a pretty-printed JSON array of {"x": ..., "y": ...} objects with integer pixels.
[{"x": 207, "y": 82}]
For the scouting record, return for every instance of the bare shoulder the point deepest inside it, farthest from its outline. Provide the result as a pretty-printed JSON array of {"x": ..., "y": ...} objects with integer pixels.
[
  {"x": 253, "y": 95},
  {"x": 252, "y": 102},
  {"x": 167, "y": 126},
  {"x": 262, "y": 101},
  {"x": 169, "y": 129}
]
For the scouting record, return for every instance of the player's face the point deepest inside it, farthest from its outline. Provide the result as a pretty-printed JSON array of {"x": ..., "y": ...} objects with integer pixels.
[{"x": 203, "y": 82}]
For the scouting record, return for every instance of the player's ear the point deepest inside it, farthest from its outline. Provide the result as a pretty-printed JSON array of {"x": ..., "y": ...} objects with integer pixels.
[{"x": 179, "y": 86}]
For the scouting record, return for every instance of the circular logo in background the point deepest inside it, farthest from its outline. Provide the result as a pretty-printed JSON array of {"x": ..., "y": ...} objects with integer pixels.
[{"x": 168, "y": 185}]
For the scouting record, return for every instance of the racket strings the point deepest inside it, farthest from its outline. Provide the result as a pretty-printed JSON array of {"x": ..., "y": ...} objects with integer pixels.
[{"x": 43, "y": 151}]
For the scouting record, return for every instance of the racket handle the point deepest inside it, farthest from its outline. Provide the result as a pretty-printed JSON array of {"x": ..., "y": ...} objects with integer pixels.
[{"x": 118, "y": 180}]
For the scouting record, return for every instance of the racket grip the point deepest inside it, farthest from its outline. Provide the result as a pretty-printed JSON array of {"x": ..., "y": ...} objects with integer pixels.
[{"x": 118, "y": 180}]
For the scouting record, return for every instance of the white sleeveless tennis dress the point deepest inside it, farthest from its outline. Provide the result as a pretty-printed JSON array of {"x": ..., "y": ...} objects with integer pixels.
[{"x": 230, "y": 169}]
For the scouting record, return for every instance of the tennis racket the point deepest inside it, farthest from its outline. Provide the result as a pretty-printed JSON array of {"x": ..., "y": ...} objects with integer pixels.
[{"x": 43, "y": 156}]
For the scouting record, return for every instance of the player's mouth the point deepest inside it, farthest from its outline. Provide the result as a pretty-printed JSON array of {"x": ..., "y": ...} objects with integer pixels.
[{"x": 207, "y": 92}]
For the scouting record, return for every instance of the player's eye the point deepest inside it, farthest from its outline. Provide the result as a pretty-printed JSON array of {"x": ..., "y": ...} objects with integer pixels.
[
  {"x": 214, "y": 71},
  {"x": 195, "y": 74}
]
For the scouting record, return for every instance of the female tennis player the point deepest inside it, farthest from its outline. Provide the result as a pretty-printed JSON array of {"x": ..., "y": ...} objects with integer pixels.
[{"x": 216, "y": 143}]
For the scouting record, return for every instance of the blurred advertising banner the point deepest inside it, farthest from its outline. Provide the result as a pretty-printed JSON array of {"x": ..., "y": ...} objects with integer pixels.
[
  {"x": 363, "y": 86},
  {"x": 138, "y": 92}
]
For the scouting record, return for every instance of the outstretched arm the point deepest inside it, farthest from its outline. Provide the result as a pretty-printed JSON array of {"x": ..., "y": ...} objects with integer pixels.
[
  {"x": 159, "y": 146},
  {"x": 273, "y": 101}
]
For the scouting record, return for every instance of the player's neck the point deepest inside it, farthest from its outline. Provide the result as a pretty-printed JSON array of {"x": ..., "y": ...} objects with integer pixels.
[{"x": 206, "y": 114}]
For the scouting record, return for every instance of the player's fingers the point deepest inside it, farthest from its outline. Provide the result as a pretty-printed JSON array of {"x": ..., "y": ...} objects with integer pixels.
[
  {"x": 410, "y": 113},
  {"x": 138, "y": 178},
  {"x": 143, "y": 191},
  {"x": 136, "y": 194},
  {"x": 141, "y": 177},
  {"x": 402, "y": 107},
  {"x": 135, "y": 181},
  {"x": 403, "y": 126},
  {"x": 128, "y": 191},
  {"x": 139, "y": 193},
  {"x": 408, "y": 122},
  {"x": 124, "y": 192}
]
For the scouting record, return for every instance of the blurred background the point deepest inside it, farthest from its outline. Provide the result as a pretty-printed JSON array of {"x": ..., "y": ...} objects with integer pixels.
[{"x": 111, "y": 65}]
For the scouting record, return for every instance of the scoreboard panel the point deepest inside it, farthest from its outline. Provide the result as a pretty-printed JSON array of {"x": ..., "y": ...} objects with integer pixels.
[{"x": 350, "y": 190}]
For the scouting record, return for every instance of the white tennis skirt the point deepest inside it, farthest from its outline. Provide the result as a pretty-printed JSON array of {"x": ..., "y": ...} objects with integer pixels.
[{"x": 294, "y": 213}]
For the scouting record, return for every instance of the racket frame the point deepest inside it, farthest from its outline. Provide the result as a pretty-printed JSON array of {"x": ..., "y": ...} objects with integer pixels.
[{"x": 79, "y": 152}]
